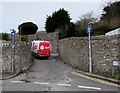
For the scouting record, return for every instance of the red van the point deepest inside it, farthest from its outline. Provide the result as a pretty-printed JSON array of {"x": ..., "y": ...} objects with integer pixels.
[{"x": 41, "y": 48}]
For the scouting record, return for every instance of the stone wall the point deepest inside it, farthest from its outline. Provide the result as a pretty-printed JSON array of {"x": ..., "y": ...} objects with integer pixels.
[
  {"x": 1, "y": 61},
  {"x": 23, "y": 58},
  {"x": 52, "y": 37},
  {"x": 74, "y": 51},
  {"x": 22, "y": 55}
]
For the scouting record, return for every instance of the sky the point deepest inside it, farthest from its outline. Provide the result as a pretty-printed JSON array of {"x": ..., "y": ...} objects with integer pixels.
[{"x": 13, "y": 13}]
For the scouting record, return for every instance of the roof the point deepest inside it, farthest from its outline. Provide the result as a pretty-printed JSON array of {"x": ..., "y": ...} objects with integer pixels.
[
  {"x": 114, "y": 32},
  {"x": 39, "y": 41}
]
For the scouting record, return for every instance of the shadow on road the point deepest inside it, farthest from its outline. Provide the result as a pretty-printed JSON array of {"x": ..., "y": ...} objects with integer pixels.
[{"x": 53, "y": 55}]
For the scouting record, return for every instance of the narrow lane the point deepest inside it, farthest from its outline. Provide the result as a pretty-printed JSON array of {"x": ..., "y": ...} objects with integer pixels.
[{"x": 53, "y": 75}]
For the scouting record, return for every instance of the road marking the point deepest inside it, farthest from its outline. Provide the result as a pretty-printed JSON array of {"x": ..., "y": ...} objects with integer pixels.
[
  {"x": 21, "y": 75},
  {"x": 17, "y": 81},
  {"x": 68, "y": 85},
  {"x": 41, "y": 83},
  {"x": 95, "y": 79},
  {"x": 89, "y": 87}
]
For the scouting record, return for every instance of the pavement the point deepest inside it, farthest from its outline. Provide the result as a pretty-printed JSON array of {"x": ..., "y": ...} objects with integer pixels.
[
  {"x": 99, "y": 77},
  {"x": 7, "y": 76}
]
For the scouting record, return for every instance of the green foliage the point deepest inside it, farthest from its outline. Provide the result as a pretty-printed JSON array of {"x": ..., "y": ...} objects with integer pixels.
[
  {"x": 111, "y": 15},
  {"x": 80, "y": 32},
  {"x": 71, "y": 31},
  {"x": 117, "y": 77},
  {"x": 59, "y": 19},
  {"x": 108, "y": 21},
  {"x": 116, "y": 74},
  {"x": 81, "y": 25},
  {"x": 60, "y": 22},
  {"x": 50, "y": 24},
  {"x": 24, "y": 38},
  {"x": 101, "y": 30},
  {"x": 62, "y": 34},
  {"x": 27, "y": 28},
  {"x": 5, "y": 36},
  {"x": 111, "y": 10},
  {"x": 0, "y": 35}
]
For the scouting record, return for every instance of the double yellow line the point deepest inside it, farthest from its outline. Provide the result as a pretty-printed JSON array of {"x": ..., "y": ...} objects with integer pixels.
[
  {"x": 21, "y": 75},
  {"x": 95, "y": 79}
]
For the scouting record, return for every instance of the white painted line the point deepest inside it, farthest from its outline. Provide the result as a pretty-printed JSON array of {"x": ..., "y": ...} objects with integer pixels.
[
  {"x": 68, "y": 85},
  {"x": 89, "y": 87},
  {"x": 17, "y": 81},
  {"x": 95, "y": 79},
  {"x": 41, "y": 83}
]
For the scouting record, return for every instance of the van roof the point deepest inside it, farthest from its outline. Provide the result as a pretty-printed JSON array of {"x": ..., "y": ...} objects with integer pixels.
[{"x": 39, "y": 41}]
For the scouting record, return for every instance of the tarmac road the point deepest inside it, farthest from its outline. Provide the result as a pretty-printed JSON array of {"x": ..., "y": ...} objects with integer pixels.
[{"x": 53, "y": 75}]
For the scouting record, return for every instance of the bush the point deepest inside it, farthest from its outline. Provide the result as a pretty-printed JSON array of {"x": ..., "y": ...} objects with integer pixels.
[
  {"x": 5, "y": 36},
  {"x": 24, "y": 38},
  {"x": 62, "y": 34},
  {"x": 101, "y": 30}
]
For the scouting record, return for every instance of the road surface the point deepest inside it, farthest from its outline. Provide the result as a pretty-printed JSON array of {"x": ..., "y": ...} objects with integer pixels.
[{"x": 53, "y": 75}]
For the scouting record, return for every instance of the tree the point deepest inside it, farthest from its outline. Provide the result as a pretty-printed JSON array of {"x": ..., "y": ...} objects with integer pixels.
[
  {"x": 50, "y": 24},
  {"x": 62, "y": 34},
  {"x": 86, "y": 19},
  {"x": 109, "y": 19},
  {"x": 71, "y": 31},
  {"x": 0, "y": 35},
  {"x": 5, "y": 36},
  {"x": 24, "y": 38},
  {"x": 111, "y": 15},
  {"x": 58, "y": 20},
  {"x": 81, "y": 25},
  {"x": 27, "y": 28}
]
